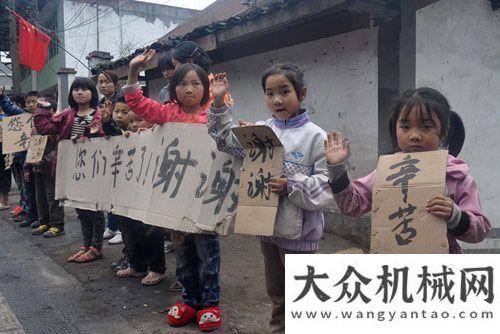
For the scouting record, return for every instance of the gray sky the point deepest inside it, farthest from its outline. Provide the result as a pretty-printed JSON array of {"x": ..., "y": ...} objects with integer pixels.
[{"x": 194, "y": 4}]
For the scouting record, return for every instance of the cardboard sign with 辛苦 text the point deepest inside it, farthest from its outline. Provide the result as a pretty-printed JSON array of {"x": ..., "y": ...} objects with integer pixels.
[
  {"x": 16, "y": 132},
  {"x": 400, "y": 221},
  {"x": 36, "y": 149},
  {"x": 257, "y": 205}
]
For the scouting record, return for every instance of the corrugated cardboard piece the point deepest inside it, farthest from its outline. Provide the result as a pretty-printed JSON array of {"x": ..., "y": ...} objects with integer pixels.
[
  {"x": 400, "y": 222},
  {"x": 171, "y": 177},
  {"x": 36, "y": 148},
  {"x": 16, "y": 133},
  {"x": 257, "y": 205}
]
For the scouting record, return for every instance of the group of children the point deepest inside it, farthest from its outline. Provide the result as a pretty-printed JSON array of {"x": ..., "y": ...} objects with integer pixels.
[{"x": 313, "y": 172}]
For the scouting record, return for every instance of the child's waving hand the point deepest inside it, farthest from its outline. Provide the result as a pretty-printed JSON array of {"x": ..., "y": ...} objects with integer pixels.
[
  {"x": 219, "y": 86},
  {"x": 143, "y": 59},
  {"x": 336, "y": 148}
]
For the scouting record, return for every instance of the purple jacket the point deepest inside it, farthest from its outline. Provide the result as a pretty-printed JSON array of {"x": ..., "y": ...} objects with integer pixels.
[
  {"x": 60, "y": 125},
  {"x": 356, "y": 200}
]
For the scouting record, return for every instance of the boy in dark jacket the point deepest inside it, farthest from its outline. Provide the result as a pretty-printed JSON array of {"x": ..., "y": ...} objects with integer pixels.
[
  {"x": 50, "y": 214},
  {"x": 28, "y": 215}
]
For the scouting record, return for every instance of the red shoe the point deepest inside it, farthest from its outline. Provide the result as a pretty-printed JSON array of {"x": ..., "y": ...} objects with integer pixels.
[
  {"x": 209, "y": 319},
  {"x": 16, "y": 210},
  {"x": 180, "y": 314}
]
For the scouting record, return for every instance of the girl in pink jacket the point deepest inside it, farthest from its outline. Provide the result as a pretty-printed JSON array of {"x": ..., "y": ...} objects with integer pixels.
[
  {"x": 198, "y": 255},
  {"x": 422, "y": 120}
]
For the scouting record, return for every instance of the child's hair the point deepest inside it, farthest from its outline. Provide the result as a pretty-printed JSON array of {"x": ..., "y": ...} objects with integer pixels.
[
  {"x": 52, "y": 101},
  {"x": 86, "y": 83},
  {"x": 435, "y": 106},
  {"x": 190, "y": 50},
  {"x": 165, "y": 61},
  {"x": 291, "y": 71},
  {"x": 179, "y": 76},
  {"x": 18, "y": 100},
  {"x": 110, "y": 75},
  {"x": 32, "y": 93},
  {"x": 121, "y": 99}
]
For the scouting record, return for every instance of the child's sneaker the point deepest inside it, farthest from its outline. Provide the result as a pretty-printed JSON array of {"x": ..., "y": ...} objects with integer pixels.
[
  {"x": 180, "y": 314},
  {"x": 108, "y": 233},
  {"x": 27, "y": 222},
  {"x": 16, "y": 210},
  {"x": 121, "y": 264},
  {"x": 209, "y": 319},
  {"x": 168, "y": 246},
  {"x": 176, "y": 286},
  {"x": 20, "y": 217},
  {"x": 40, "y": 230},
  {"x": 117, "y": 239},
  {"x": 4, "y": 206},
  {"x": 53, "y": 232}
]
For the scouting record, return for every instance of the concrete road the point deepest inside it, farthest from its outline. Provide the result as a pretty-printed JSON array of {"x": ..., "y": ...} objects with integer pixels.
[{"x": 41, "y": 293}]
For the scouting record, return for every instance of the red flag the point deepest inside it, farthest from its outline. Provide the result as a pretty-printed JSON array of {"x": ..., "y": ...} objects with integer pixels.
[{"x": 33, "y": 44}]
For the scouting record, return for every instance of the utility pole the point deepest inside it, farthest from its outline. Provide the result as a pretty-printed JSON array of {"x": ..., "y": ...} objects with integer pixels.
[
  {"x": 35, "y": 22},
  {"x": 14, "y": 54},
  {"x": 121, "y": 27},
  {"x": 97, "y": 22}
]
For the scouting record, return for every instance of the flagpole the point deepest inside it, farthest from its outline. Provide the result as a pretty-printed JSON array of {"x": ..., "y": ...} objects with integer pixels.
[
  {"x": 34, "y": 17},
  {"x": 14, "y": 53}
]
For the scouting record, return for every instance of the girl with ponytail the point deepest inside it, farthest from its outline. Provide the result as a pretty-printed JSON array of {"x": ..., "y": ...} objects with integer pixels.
[{"x": 422, "y": 120}]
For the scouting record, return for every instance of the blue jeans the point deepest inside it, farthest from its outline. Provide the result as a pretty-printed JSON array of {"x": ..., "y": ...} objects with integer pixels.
[
  {"x": 112, "y": 222},
  {"x": 198, "y": 266}
]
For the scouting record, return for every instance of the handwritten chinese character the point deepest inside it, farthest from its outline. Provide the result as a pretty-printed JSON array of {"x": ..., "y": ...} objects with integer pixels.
[
  {"x": 221, "y": 186},
  {"x": 168, "y": 169},
  {"x": 407, "y": 171},
  {"x": 259, "y": 185}
]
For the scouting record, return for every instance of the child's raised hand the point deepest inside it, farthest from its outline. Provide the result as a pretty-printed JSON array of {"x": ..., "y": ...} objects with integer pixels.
[
  {"x": 106, "y": 111},
  {"x": 218, "y": 87},
  {"x": 142, "y": 59},
  {"x": 440, "y": 207},
  {"x": 336, "y": 148}
]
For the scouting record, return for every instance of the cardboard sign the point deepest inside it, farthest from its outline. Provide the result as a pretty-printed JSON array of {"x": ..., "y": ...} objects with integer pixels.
[
  {"x": 9, "y": 160},
  {"x": 16, "y": 133},
  {"x": 258, "y": 206},
  {"x": 171, "y": 177},
  {"x": 400, "y": 222},
  {"x": 36, "y": 148}
]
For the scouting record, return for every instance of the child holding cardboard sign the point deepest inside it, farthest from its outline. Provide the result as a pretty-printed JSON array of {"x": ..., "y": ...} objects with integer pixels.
[
  {"x": 198, "y": 255},
  {"x": 422, "y": 120},
  {"x": 82, "y": 120},
  {"x": 303, "y": 191}
]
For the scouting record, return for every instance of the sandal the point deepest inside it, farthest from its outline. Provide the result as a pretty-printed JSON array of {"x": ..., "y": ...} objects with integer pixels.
[
  {"x": 180, "y": 314},
  {"x": 153, "y": 278},
  {"x": 73, "y": 257},
  {"x": 129, "y": 272},
  {"x": 91, "y": 255}
]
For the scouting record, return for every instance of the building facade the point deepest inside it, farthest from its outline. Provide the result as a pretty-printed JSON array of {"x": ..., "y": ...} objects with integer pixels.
[{"x": 83, "y": 26}]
